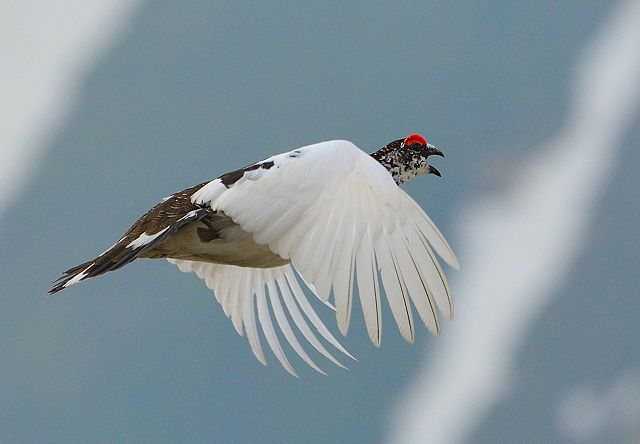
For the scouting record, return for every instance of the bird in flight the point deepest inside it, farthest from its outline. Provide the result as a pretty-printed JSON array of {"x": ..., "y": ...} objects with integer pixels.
[{"x": 326, "y": 216}]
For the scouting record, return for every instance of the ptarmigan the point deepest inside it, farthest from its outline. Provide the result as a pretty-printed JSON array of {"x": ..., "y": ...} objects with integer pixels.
[{"x": 327, "y": 216}]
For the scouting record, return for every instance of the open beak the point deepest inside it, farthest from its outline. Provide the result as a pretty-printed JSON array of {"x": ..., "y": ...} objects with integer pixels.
[{"x": 433, "y": 151}]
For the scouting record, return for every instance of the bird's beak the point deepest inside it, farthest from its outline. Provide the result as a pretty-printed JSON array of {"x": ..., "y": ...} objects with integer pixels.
[
  {"x": 433, "y": 170},
  {"x": 433, "y": 151}
]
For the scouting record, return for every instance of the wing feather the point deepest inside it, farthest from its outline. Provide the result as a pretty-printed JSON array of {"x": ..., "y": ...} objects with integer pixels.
[
  {"x": 281, "y": 318},
  {"x": 311, "y": 314},
  {"x": 344, "y": 270},
  {"x": 249, "y": 319},
  {"x": 435, "y": 276},
  {"x": 235, "y": 301},
  {"x": 366, "y": 272},
  {"x": 302, "y": 325},
  {"x": 267, "y": 327},
  {"x": 430, "y": 231},
  {"x": 393, "y": 287},
  {"x": 415, "y": 283},
  {"x": 368, "y": 289}
]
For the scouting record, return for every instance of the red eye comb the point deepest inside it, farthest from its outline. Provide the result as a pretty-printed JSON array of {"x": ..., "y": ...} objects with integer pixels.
[{"x": 414, "y": 138}]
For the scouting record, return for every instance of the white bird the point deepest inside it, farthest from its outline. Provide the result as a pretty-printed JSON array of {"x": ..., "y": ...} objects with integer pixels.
[{"x": 327, "y": 216}]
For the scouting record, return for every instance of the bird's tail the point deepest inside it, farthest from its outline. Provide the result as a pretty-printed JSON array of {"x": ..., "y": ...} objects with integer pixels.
[
  {"x": 115, "y": 257},
  {"x": 149, "y": 231}
]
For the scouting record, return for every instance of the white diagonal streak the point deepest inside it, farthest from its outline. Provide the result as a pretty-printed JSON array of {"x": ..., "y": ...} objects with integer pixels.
[
  {"x": 46, "y": 48},
  {"x": 517, "y": 247}
]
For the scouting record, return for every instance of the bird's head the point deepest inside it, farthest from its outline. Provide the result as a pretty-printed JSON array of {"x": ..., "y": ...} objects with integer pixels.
[{"x": 407, "y": 158}]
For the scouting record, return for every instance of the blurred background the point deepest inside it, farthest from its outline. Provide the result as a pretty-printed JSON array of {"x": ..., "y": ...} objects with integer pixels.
[{"x": 108, "y": 106}]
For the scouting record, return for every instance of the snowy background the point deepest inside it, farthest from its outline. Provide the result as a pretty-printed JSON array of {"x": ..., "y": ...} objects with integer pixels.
[{"x": 108, "y": 106}]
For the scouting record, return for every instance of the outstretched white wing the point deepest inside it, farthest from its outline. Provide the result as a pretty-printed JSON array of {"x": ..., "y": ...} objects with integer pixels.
[
  {"x": 340, "y": 218},
  {"x": 242, "y": 290}
]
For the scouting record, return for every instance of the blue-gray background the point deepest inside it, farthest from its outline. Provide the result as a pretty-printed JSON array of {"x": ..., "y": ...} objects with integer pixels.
[{"x": 194, "y": 89}]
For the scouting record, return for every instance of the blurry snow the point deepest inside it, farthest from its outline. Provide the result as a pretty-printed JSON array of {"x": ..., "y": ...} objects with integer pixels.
[
  {"x": 46, "y": 48},
  {"x": 517, "y": 247},
  {"x": 585, "y": 413}
]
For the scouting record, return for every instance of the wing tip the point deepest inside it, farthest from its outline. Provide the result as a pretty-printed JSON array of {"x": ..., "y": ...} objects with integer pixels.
[
  {"x": 343, "y": 325},
  {"x": 453, "y": 262}
]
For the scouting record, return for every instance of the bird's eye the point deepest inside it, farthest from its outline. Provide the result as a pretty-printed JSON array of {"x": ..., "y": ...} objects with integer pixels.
[{"x": 416, "y": 147}]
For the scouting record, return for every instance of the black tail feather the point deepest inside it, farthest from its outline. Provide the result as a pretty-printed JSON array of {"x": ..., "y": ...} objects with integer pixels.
[
  {"x": 59, "y": 283},
  {"x": 116, "y": 257}
]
